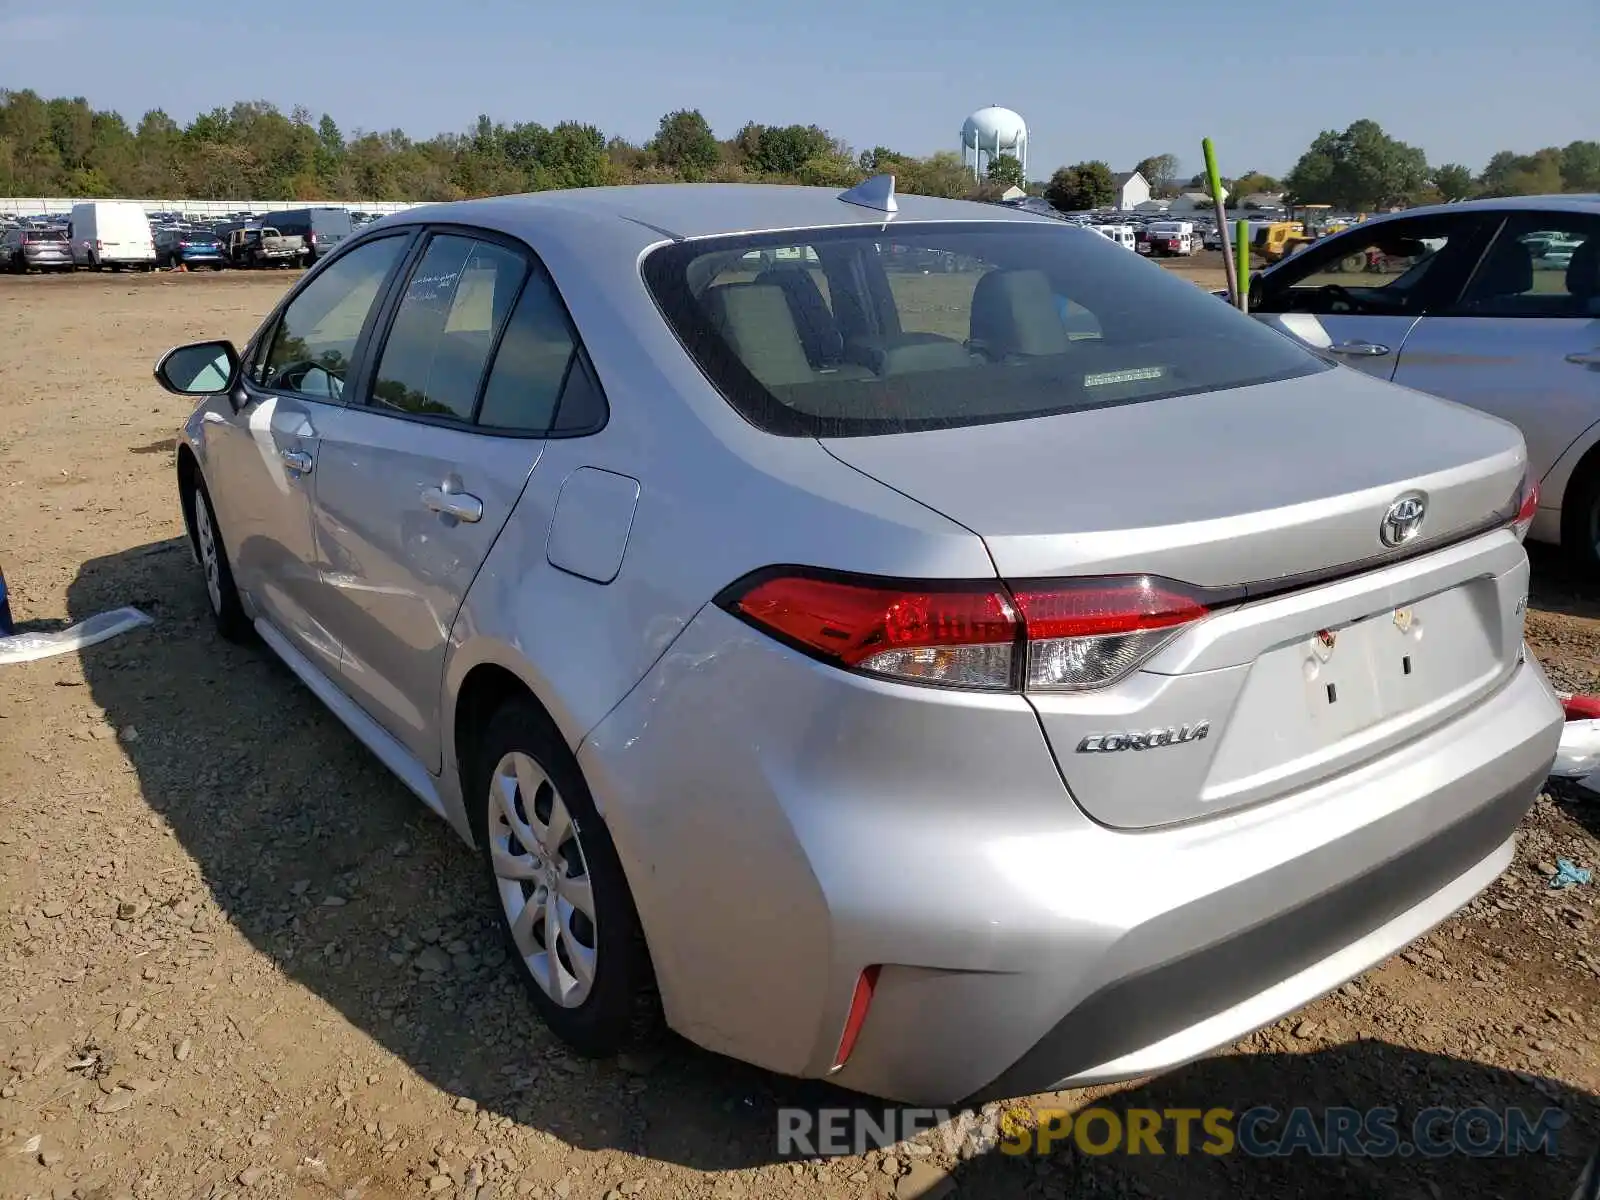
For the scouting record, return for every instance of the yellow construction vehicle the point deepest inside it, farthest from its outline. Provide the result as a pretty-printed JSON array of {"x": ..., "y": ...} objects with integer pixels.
[{"x": 1307, "y": 222}]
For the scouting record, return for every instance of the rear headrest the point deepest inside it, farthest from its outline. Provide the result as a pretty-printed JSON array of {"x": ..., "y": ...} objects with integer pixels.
[
  {"x": 819, "y": 333},
  {"x": 1583, "y": 272},
  {"x": 1014, "y": 312},
  {"x": 1508, "y": 271},
  {"x": 755, "y": 321}
]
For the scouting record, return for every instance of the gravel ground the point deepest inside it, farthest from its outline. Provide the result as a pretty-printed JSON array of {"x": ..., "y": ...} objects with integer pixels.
[{"x": 238, "y": 960}]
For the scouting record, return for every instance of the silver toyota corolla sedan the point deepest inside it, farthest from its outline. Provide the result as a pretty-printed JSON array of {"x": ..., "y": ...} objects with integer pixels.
[{"x": 905, "y": 641}]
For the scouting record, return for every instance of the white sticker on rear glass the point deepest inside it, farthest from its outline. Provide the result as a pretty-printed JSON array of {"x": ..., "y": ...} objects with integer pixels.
[{"x": 1132, "y": 375}]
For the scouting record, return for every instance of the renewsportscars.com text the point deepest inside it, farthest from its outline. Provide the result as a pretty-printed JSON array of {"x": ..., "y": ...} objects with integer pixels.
[{"x": 1259, "y": 1132}]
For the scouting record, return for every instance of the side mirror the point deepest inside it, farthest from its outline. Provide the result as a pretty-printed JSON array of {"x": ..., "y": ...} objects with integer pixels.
[{"x": 199, "y": 369}]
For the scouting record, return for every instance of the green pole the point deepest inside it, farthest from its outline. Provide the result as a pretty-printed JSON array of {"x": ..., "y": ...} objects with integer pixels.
[
  {"x": 1215, "y": 178},
  {"x": 1241, "y": 244}
]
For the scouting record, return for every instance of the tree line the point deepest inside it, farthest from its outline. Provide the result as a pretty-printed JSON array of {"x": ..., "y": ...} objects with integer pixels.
[
  {"x": 1361, "y": 169},
  {"x": 63, "y": 147}
]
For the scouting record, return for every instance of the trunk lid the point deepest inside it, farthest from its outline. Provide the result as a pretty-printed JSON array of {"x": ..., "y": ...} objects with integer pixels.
[
  {"x": 1230, "y": 487},
  {"x": 1277, "y": 492}
]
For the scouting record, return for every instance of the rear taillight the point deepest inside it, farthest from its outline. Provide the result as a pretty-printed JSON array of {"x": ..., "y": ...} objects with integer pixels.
[
  {"x": 1527, "y": 510},
  {"x": 311, "y": 238},
  {"x": 961, "y": 636},
  {"x": 1085, "y": 635},
  {"x": 1069, "y": 635}
]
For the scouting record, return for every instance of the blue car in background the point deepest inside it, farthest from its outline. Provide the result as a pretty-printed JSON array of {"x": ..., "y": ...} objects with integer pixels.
[{"x": 189, "y": 248}]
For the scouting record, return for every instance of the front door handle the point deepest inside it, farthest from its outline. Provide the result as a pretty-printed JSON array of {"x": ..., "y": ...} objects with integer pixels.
[
  {"x": 459, "y": 505},
  {"x": 1591, "y": 359},
  {"x": 297, "y": 461},
  {"x": 1358, "y": 349}
]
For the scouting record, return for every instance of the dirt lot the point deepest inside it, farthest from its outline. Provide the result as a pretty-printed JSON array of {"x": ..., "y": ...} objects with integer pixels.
[{"x": 237, "y": 959}]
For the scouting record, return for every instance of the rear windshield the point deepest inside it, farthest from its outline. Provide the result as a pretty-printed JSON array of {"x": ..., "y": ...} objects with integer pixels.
[
  {"x": 45, "y": 235},
  {"x": 870, "y": 330}
]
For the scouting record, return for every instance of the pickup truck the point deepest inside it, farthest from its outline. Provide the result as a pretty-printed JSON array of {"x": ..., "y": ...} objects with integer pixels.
[{"x": 265, "y": 247}]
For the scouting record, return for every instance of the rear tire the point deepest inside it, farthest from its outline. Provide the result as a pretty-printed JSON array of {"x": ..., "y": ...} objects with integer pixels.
[
  {"x": 1580, "y": 522},
  {"x": 595, "y": 988},
  {"x": 226, "y": 610}
]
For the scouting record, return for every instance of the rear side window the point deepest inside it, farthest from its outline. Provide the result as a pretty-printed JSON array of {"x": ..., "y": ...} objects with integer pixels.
[
  {"x": 443, "y": 332},
  {"x": 536, "y": 356},
  {"x": 869, "y": 330},
  {"x": 1540, "y": 265}
]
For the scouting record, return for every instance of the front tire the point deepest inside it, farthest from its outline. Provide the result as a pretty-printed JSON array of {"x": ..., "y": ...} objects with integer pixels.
[
  {"x": 226, "y": 610},
  {"x": 565, "y": 909}
]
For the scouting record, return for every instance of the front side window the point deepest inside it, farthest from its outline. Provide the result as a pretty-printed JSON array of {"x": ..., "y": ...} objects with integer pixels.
[
  {"x": 310, "y": 349},
  {"x": 1540, "y": 265},
  {"x": 1380, "y": 270},
  {"x": 866, "y": 330},
  {"x": 444, "y": 328}
]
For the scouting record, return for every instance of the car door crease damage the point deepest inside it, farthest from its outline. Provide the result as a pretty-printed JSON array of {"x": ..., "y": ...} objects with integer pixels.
[{"x": 966, "y": 504}]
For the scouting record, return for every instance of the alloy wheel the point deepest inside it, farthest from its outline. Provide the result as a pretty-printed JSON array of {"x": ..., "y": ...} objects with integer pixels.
[
  {"x": 542, "y": 879},
  {"x": 210, "y": 557}
]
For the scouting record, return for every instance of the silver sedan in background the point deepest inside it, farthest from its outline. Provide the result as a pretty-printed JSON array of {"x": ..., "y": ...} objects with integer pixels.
[
  {"x": 898, "y": 640},
  {"x": 1492, "y": 303}
]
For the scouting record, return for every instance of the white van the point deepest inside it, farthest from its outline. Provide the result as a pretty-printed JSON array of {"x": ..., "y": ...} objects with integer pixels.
[
  {"x": 1122, "y": 235},
  {"x": 111, "y": 233}
]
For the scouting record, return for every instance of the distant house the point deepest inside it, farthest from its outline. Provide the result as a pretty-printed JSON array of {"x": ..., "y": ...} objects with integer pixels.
[
  {"x": 1196, "y": 201},
  {"x": 1133, "y": 189},
  {"x": 1151, "y": 207},
  {"x": 1257, "y": 200}
]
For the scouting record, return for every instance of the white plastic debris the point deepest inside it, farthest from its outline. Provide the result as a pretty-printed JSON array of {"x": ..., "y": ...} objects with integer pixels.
[
  {"x": 1578, "y": 756},
  {"x": 26, "y": 647}
]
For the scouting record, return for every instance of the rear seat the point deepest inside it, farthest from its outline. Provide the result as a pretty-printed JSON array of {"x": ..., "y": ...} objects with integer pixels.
[
  {"x": 757, "y": 323},
  {"x": 782, "y": 330},
  {"x": 827, "y": 349}
]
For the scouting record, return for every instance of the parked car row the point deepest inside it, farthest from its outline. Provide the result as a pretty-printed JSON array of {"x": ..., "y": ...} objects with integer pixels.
[{"x": 120, "y": 235}]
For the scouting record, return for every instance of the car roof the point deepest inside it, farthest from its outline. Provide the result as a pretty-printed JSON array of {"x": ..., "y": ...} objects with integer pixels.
[
  {"x": 681, "y": 211},
  {"x": 1579, "y": 202}
]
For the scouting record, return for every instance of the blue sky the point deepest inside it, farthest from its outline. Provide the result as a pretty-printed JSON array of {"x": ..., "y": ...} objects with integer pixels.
[{"x": 1093, "y": 78}]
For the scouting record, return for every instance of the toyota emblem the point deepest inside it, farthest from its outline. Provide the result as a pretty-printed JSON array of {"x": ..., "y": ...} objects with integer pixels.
[{"x": 1403, "y": 521}]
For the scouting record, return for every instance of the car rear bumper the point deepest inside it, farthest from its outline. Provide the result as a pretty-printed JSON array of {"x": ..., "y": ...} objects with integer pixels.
[{"x": 785, "y": 825}]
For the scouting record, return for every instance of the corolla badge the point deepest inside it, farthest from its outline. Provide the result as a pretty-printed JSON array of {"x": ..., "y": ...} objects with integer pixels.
[
  {"x": 1403, "y": 521},
  {"x": 1145, "y": 739}
]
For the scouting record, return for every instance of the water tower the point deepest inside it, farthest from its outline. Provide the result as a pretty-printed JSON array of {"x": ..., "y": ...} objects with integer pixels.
[{"x": 991, "y": 132}]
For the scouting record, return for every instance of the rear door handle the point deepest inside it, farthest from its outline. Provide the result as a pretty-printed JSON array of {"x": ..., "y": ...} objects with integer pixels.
[
  {"x": 1358, "y": 349},
  {"x": 460, "y": 505},
  {"x": 1591, "y": 359},
  {"x": 297, "y": 461}
]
